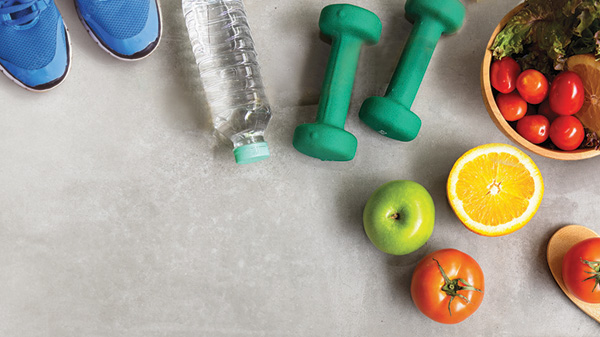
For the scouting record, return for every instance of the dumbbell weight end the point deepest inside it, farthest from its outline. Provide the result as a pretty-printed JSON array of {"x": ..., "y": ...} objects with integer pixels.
[
  {"x": 390, "y": 118},
  {"x": 325, "y": 142}
]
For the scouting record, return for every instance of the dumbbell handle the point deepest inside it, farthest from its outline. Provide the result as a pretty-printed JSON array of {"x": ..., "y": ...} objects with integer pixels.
[
  {"x": 414, "y": 60},
  {"x": 339, "y": 79}
]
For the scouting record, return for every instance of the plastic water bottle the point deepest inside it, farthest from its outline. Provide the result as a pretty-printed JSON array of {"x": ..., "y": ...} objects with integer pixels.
[{"x": 224, "y": 51}]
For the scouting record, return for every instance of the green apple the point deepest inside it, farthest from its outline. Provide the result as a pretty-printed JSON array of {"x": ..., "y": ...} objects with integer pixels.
[{"x": 399, "y": 217}]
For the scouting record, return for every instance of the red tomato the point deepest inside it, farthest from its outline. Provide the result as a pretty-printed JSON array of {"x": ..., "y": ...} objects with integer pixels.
[
  {"x": 533, "y": 86},
  {"x": 567, "y": 133},
  {"x": 534, "y": 128},
  {"x": 447, "y": 286},
  {"x": 511, "y": 105},
  {"x": 544, "y": 109},
  {"x": 581, "y": 270},
  {"x": 504, "y": 73},
  {"x": 566, "y": 93}
]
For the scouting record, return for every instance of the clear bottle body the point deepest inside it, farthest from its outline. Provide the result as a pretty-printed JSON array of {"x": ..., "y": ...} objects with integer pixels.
[{"x": 226, "y": 58}]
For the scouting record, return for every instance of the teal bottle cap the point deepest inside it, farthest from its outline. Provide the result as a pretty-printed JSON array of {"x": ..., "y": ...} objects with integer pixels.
[{"x": 251, "y": 153}]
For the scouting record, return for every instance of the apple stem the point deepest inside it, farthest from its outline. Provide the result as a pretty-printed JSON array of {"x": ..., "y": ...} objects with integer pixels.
[
  {"x": 395, "y": 216},
  {"x": 452, "y": 287}
]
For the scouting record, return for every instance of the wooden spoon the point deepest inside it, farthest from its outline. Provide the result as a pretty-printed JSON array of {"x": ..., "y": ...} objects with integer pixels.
[{"x": 558, "y": 246}]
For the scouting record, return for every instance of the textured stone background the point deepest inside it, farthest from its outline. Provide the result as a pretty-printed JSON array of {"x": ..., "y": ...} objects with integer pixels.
[{"x": 122, "y": 215}]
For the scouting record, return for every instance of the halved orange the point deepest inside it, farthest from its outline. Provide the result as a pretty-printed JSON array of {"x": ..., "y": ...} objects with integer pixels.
[
  {"x": 588, "y": 69},
  {"x": 495, "y": 189}
]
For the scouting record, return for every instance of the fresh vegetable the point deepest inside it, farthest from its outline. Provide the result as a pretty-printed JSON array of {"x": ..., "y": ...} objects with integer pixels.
[
  {"x": 566, "y": 93},
  {"x": 447, "y": 286},
  {"x": 503, "y": 74},
  {"x": 512, "y": 106},
  {"x": 592, "y": 140},
  {"x": 567, "y": 133},
  {"x": 587, "y": 41},
  {"x": 532, "y": 86},
  {"x": 544, "y": 33},
  {"x": 534, "y": 128},
  {"x": 572, "y": 93},
  {"x": 544, "y": 110},
  {"x": 581, "y": 270},
  {"x": 555, "y": 42}
]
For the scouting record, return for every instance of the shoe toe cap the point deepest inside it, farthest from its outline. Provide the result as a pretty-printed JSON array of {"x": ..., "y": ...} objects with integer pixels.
[{"x": 123, "y": 39}]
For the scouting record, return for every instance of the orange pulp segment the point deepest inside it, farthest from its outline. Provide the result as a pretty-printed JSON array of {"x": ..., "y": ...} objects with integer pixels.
[{"x": 495, "y": 189}]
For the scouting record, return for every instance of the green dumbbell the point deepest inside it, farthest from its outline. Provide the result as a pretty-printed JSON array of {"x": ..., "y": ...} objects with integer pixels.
[
  {"x": 349, "y": 27},
  {"x": 390, "y": 115}
]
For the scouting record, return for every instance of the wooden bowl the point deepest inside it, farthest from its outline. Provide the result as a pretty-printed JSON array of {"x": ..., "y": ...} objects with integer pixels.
[{"x": 502, "y": 124}]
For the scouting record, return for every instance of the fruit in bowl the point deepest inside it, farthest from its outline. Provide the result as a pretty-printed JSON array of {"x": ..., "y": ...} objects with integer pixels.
[{"x": 541, "y": 85}]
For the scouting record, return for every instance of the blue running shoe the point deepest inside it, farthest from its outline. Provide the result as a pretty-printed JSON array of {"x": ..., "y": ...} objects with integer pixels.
[
  {"x": 127, "y": 29},
  {"x": 35, "y": 50}
]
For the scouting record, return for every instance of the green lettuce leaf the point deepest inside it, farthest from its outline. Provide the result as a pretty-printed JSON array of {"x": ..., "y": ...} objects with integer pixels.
[{"x": 544, "y": 33}]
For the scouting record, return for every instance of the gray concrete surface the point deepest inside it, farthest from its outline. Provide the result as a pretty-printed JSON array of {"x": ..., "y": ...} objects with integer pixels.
[{"x": 122, "y": 215}]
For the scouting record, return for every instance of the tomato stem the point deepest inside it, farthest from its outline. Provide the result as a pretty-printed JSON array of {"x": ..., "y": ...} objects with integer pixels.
[
  {"x": 452, "y": 287},
  {"x": 595, "y": 265}
]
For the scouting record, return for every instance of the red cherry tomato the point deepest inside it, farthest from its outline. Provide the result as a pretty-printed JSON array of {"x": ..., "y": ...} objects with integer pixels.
[
  {"x": 544, "y": 109},
  {"x": 567, "y": 133},
  {"x": 566, "y": 93},
  {"x": 581, "y": 270},
  {"x": 512, "y": 106},
  {"x": 533, "y": 86},
  {"x": 447, "y": 286},
  {"x": 534, "y": 128},
  {"x": 504, "y": 74}
]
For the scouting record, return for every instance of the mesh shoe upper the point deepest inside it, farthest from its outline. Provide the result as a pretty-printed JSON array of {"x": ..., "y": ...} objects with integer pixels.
[
  {"x": 29, "y": 47},
  {"x": 123, "y": 27},
  {"x": 34, "y": 44},
  {"x": 122, "y": 19}
]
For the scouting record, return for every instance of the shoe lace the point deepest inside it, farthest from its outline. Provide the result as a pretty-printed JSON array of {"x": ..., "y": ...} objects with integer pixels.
[{"x": 21, "y": 12}]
